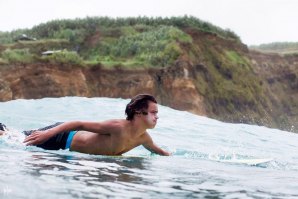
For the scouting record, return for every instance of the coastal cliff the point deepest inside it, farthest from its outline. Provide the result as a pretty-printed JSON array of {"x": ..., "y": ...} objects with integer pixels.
[
  {"x": 180, "y": 86},
  {"x": 205, "y": 73}
]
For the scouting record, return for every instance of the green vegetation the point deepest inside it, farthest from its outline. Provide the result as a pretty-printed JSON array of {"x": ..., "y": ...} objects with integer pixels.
[
  {"x": 158, "y": 47},
  {"x": 229, "y": 84},
  {"x": 236, "y": 58},
  {"x": 131, "y": 42},
  {"x": 278, "y": 47},
  {"x": 64, "y": 57},
  {"x": 36, "y": 47},
  {"x": 16, "y": 56}
]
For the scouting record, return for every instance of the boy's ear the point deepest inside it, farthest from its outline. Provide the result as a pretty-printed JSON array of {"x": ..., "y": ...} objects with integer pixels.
[
  {"x": 144, "y": 113},
  {"x": 137, "y": 114}
]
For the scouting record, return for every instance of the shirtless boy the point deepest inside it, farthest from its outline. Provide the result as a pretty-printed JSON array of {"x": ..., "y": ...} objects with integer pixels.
[{"x": 111, "y": 137}]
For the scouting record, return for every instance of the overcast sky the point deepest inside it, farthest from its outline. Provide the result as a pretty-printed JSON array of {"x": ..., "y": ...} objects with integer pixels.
[{"x": 255, "y": 21}]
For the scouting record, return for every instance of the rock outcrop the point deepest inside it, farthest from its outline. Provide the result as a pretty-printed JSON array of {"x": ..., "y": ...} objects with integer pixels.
[{"x": 172, "y": 86}]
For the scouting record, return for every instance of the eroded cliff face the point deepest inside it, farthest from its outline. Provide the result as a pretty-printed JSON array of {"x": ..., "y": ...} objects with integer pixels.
[
  {"x": 171, "y": 86},
  {"x": 279, "y": 76}
]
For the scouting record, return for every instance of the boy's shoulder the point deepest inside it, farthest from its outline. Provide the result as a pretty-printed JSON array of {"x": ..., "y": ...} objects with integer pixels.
[
  {"x": 113, "y": 122},
  {"x": 113, "y": 125},
  {"x": 146, "y": 137}
]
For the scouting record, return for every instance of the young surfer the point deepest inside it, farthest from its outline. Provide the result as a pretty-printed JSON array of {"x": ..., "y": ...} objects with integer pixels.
[{"x": 111, "y": 137}]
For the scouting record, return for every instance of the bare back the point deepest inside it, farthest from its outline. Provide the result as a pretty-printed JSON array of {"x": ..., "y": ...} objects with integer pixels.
[{"x": 115, "y": 139}]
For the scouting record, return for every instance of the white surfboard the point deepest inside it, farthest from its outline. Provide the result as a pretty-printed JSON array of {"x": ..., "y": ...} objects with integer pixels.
[{"x": 248, "y": 161}]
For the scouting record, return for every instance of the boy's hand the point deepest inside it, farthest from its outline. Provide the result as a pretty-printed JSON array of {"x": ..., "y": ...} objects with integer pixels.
[
  {"x": 37, "y": 138},
  {"x": 165, "y": 153}
]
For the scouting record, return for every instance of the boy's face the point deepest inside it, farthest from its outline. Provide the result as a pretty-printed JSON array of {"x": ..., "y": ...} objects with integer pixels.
[{"x": 151, "y": 117}]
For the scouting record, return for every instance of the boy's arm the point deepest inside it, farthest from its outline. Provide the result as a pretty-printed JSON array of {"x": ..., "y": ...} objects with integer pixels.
[
  {"x": 39, "y": 137},
  {"x": 151, "y": 146}
]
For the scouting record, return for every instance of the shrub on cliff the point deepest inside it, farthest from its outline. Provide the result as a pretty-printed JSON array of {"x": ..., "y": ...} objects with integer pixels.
[
  {"x": 132, "y": 41},
  {"x": 64, "y": 57},
  {"x": 160, "y": 46},
  {"x": 17, "y": 56},
  {"x": 81, "y": 28}
]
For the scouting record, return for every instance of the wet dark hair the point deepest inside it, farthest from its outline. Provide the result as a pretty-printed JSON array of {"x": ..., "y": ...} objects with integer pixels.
[{"x": 138, "y": 105}]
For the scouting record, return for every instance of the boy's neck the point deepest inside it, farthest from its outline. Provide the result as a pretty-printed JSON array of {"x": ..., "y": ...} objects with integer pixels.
[{"x": 136, "y": 128}]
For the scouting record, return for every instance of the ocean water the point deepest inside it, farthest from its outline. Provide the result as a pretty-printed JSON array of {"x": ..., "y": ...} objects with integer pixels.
[{"x": 205, "y": 162}]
